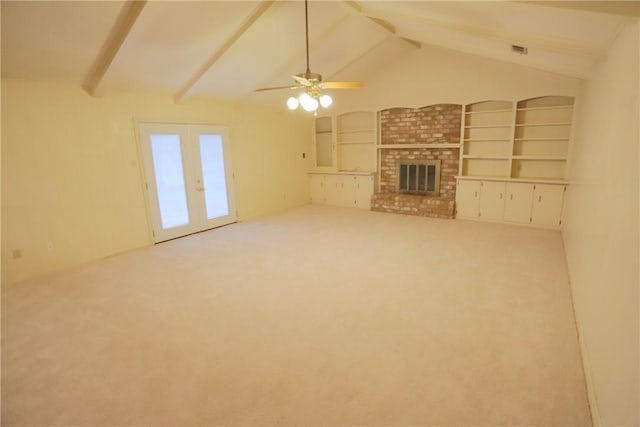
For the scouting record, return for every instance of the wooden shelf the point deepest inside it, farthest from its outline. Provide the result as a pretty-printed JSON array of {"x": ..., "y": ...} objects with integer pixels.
[
  {"x": 490, "y": 111},
  {"x": 557, "y": 107},
  {"x": 434, "y": 145},
  {"x": 340, "y": 132},
  {"x": 508, "y": 179},
  {"x": 484, "y": 157},
  {"x": 488, "y": 126},
  {"x": 324, "y": 172},
  {"x": 543, "y": 124},
  {"x": 356, "y": 142},
  {"x": 487, "y": 139},
  {"x": 552, "y": 158},
  {"x": 542, "y": 139}
]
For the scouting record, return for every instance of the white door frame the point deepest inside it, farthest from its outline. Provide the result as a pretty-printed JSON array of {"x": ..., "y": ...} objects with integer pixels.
[{"x": 192, "y": 170}]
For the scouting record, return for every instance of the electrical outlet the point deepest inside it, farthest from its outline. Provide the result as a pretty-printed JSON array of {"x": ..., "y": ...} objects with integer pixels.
[{"x": 16, "y": 254}]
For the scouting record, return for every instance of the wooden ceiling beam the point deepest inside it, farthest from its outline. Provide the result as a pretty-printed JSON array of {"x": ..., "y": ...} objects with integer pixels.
[
  {"x": 119, "y": 32},
  {"x": 246, "y": 24}
]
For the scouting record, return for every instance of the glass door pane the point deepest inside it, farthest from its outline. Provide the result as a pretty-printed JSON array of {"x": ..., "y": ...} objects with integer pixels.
[
  {"x": 213, "y": 176},
  {"x": 169, "y": 174}
]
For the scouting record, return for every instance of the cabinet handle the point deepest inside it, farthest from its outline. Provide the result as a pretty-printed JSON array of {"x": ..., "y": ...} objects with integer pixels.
[
  {"x": 539, "y": 198},
  {"x": 500, "y": 196},
  {"x": 511, "y": 198},
  {"x": 476, "y": 194}
]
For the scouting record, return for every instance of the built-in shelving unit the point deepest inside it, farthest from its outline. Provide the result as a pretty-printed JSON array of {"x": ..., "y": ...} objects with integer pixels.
[
  {"x": 346, "y": 142},
  {"x": 344, "y": 160},
  {"x": 515, "y": 154},
  {"x": 526, "y": 140},
  {"x": 487, "y": 141},
  {"x": 356, "y": 139},
  {"x": 541, "y": 138}
]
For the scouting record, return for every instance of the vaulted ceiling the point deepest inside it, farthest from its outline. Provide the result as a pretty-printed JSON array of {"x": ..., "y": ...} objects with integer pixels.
[{"x": 227, "y": 49}]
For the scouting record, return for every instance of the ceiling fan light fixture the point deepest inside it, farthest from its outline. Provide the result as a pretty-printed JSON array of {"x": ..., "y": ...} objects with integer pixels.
[
  {"x": 292, "y": 103},
  {"x": 308, "y": 102},
  {"x": 311, "y": 83},
  {"x": 326, "y": 101}
]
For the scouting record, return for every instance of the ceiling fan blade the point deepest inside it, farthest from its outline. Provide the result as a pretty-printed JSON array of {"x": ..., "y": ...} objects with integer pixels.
[
  {"x": 277, "y": 88},
  {"x": 301, "y": 80},
  {"x": 341, "y": 85}
]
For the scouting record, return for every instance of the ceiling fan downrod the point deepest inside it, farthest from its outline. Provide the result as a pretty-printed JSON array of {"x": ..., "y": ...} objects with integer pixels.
[{"x": 306, "y": 32}]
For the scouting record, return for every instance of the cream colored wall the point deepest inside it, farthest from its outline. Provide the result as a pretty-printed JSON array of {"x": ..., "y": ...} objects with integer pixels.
[
  {"x": 71, "y": 179},
  {"x": 433, "y": 75},
  {"x": 601, "y": 232}
]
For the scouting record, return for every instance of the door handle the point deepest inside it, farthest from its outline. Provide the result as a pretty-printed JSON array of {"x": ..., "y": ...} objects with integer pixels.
[{"x": 199, "y": 188}]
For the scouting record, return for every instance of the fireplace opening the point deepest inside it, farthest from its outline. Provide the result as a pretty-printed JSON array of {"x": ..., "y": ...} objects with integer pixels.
[{"x": 419, "y": 177}]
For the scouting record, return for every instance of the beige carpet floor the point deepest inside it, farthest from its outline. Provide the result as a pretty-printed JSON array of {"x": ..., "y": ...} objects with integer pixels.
[{"x": 320, "y": 315}]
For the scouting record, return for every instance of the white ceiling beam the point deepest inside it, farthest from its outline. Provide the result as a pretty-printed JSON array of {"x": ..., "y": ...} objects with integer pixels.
[
  {"x": 248, "y": 22},
  {"x": 627, "y": 8},
  {"x": 553, "y": 45},
  {"x": 127, "y": 17},
  {"x": 358, "y": 57},
  {"x": 390, "y": 28}
]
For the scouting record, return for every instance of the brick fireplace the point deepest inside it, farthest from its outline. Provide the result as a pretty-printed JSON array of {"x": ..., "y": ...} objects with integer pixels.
[{"x": 406, "y": 131}]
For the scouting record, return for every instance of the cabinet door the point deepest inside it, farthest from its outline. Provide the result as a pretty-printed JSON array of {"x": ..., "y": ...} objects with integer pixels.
[
  {"x": 332, "y": 187},
  {"x": 316, "y": 189},
  {"x": 364, "y": 191},
  {"x": 492, "y": 200},
  {"x": 518, "y": 202},
  {"x": 347, "y": 191},
  {"x": 547, "y": 204},
  {"x": 467, "y": 198}
]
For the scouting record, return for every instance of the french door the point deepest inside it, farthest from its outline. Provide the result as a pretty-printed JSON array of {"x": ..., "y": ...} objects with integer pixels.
[{"x": 188, "y": 176}]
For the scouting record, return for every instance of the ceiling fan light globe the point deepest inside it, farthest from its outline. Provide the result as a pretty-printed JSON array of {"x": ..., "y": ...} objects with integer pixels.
[
  {"x": 308, "y": 103},
  {"x": 292, "y": 103},
  {"x": 311, "y": 106},
  {"x": 326, "y": 101}
]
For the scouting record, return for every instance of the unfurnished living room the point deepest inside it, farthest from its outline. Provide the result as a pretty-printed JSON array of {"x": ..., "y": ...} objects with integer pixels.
[{"x": 316, "y": 212}]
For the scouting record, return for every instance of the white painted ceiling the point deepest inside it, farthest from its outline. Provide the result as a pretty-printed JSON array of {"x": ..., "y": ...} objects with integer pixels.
[{"x": 227, "y": 49}]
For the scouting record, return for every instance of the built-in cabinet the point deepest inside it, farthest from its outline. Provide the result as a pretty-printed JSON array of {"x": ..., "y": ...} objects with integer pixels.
[
  {"x": 516, "y": 202},
  {"x": 344, "y": 159},
  {"x": 342, "y": 189},
  {"x": 513, "y": 160}
]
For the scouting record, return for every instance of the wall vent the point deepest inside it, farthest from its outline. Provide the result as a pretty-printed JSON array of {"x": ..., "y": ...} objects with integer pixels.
[{"x": 519, "y": 49}]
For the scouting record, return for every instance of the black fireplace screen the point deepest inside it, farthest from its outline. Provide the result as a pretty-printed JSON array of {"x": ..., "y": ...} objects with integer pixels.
[{"x": 419, "y": 177}]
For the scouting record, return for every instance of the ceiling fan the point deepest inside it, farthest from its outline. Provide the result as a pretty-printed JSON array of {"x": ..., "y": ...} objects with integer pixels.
[{"x": 311, "y": 82}]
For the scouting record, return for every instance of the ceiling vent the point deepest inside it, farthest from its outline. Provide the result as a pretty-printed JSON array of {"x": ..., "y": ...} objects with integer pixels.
[{"x": 519, "y": 49}]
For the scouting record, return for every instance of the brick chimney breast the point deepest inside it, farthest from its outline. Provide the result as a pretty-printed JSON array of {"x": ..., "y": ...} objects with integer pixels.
[{"x": 433, "y": 125}]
